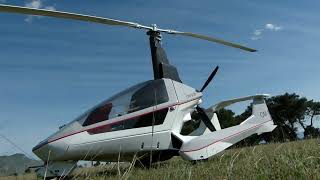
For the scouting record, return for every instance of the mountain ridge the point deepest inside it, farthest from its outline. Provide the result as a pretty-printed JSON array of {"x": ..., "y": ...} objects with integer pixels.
[{"x": 16, "y": 164}]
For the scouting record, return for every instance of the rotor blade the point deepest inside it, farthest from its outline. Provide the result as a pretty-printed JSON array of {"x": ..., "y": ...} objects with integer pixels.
[
  {"x": 108, "y": 21},
  {"x": 214, "y": 72},
  {"x": 67, "y": 15},
  {"x": 212, "y": 39},
  {"x": 205, "y": 119}
]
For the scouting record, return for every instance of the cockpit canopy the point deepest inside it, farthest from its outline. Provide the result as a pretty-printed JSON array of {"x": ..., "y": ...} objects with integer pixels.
[{"x": 138, "y": 97}]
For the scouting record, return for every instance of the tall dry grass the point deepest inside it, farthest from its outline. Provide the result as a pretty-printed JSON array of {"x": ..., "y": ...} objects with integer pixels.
[{"x": 292, "y": 160}]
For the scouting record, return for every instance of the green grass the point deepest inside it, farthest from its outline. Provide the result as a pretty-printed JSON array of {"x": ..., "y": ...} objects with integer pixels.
[{"x": 292, "y": 160}]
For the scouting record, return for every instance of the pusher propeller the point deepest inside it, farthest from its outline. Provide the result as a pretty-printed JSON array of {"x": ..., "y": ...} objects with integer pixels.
[{"x": 199, "y": 110}]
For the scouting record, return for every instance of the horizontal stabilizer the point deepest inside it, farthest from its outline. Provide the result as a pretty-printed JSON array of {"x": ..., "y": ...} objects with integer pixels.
[{"x": 226, "y": 103}]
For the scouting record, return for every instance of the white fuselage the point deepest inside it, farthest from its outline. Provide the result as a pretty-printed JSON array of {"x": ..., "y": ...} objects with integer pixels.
[{"x": 91, "y": 143}]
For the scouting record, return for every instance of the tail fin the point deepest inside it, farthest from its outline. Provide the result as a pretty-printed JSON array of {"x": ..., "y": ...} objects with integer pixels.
[
  {"x": 260, "y": 115},
  {"x": 260, "y": 112}
]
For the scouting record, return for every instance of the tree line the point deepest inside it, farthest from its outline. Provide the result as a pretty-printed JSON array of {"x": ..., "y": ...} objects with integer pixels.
[{"x": 290, "y": 112}]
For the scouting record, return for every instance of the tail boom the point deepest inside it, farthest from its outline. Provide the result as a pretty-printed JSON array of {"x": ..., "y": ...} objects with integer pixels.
[{"x": 209, "y": 144}]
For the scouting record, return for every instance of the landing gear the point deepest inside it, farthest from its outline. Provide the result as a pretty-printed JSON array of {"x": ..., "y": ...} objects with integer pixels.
[
  {"x": 146, "y": 161},
  {"x": 194, "y": 162}
]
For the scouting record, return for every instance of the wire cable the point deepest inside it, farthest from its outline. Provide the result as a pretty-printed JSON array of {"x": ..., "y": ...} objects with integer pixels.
[{"x": 15, "y": 145}]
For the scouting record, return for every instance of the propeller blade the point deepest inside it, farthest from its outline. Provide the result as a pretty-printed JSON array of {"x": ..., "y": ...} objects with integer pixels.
[
  {"x": 108, "y": 21},
  {"x": 67, "y": 15},
  {"x": 205, "y": 119},
  {"x": 214, "y": 72},
  {"x": 212, "y": 39}
]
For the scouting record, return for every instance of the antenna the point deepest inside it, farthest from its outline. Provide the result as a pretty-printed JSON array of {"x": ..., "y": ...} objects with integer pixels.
[{"x": 153, "y": 121}]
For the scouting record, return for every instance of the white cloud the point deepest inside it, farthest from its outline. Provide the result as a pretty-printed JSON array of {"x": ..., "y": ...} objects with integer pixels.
[
  {"x": 37, "y": 4},
  {"x": 34, "y": 4},
  {"x": 273, "y": 27},
  {"x": 257, "y": 34}
]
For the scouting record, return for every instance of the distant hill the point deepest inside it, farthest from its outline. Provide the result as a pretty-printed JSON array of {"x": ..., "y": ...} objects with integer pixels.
[{"x": 16, "y": 163}]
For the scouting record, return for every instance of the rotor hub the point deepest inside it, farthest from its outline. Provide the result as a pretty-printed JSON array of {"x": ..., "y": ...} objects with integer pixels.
[
  {"x": 155, "y": 33},
  {"x": 154, "y": 27}
]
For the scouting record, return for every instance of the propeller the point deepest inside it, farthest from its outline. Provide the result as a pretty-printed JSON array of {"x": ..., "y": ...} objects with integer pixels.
[
  {"x": 204, "y": 118},
  {"x": 214, "y": 72},
  {"x": 199, "y": 110},
  {"x": 108, "y": 21}
]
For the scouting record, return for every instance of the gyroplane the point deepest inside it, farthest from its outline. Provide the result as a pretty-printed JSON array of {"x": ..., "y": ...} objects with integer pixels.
[{"x": 146, "y": 120}]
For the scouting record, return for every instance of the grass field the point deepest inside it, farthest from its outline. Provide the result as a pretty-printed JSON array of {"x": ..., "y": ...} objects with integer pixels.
[{"x": 292, "y": 160}]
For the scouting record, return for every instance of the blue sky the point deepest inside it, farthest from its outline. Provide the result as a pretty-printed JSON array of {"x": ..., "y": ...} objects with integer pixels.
[{"x": 51, "y": 70}]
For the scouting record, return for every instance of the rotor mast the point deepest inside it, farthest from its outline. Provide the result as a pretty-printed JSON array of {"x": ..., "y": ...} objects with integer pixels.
[
  {"x": 155, "y": 42},
  {"x": 160, "y": 62}
]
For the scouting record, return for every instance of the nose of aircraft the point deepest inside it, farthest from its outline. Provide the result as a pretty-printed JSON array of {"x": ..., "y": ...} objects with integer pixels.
[
  {"x": 42, "y": 150},
  {"x": 50, "y": 150}
]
